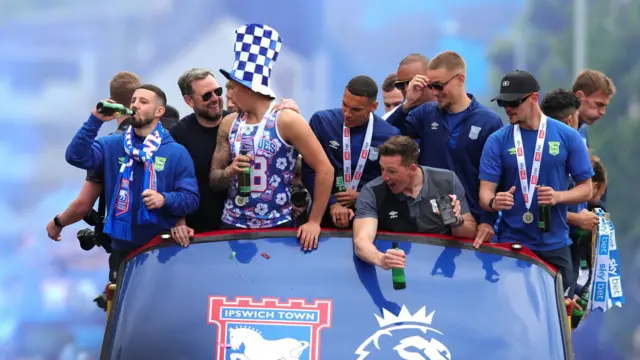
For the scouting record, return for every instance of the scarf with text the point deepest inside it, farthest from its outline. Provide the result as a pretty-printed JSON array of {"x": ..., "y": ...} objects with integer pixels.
[{"x": 119, "y": 217}]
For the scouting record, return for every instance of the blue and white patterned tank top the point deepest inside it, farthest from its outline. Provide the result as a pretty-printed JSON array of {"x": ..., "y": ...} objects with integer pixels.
[{"x": 272, "y": 171}]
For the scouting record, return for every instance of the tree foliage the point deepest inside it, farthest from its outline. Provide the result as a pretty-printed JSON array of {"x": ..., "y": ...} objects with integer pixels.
[{"x": 613, "y": 40}]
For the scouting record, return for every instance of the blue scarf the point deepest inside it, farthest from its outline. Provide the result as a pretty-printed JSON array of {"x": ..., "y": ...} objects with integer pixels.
[{"x": 119, "y": 218}]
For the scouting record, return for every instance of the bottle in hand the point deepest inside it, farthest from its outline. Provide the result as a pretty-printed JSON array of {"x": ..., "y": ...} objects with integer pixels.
[
  {"x": 339, "y": 183},
  {"x": 107, "y": 109},
  {"x": 544, "y": 217},
  {"x": 397, "y": 275},
  {"x": 244, "y": 177}
]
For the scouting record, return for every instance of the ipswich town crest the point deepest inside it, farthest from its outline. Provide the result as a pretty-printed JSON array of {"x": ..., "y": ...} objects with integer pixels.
[{"x": 268, "y": 329}]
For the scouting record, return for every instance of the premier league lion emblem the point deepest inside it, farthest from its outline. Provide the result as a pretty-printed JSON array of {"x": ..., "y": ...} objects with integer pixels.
[
  {"x": 268, "y": 329},
  {"x": 405, "y": 336}
]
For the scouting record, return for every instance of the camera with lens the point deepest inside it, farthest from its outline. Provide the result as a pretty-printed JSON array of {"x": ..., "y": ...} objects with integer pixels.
[
  {"x": 89, "y": 238},
  {"x": 300, "y": 198}
]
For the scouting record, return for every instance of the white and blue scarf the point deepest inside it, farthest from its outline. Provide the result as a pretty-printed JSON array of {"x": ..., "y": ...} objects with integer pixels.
[
  {"x": 606, "y": 284},
  {"x": 119, "y": 218}
]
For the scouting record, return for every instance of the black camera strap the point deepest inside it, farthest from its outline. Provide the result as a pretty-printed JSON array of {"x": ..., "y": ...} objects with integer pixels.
[{"x": 102, "y": 207}]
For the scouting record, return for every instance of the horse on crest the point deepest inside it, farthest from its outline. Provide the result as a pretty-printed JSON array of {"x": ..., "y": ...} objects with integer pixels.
[{"x": 258, "y": 348}]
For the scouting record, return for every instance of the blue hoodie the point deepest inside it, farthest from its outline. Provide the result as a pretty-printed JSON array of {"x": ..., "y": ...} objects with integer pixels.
[
  {"x": 174, "y": 170},
  {"x": 457, "y": 148}
]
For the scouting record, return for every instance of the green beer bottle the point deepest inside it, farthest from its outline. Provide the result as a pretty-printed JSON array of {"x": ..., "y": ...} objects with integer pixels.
[
  {"x": 397, "y": 275},
  {"x": 107, "y": 109},
  {"x": 340, "y": 186},
  {"x": 544, "y": 218},
  {"x": 583, "y": 302}
]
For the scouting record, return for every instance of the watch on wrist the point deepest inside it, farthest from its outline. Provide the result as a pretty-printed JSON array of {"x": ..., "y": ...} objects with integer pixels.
[
  {"x": 491, "y": 202},
  {"x": 459, "y": 222},
  {"x": 56, "y": 221}
]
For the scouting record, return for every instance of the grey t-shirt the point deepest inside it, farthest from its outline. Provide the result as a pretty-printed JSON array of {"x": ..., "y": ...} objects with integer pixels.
[{"x": 424, "y": 207}]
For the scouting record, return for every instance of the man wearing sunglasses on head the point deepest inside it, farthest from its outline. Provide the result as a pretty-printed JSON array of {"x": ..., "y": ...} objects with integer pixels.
[
  {"x": 198, "y": 133},
  {"x": 527, "y": 164},
  {"x": 412, "y": 66},
  {"x": 453, "y": 130}
]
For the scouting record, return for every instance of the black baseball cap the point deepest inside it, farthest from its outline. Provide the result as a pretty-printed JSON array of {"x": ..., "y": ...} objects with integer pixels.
[{"x": 517, "y": 84}]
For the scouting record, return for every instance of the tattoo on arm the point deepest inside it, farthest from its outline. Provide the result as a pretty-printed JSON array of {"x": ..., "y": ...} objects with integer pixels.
[{"x": 218, "y": 180}]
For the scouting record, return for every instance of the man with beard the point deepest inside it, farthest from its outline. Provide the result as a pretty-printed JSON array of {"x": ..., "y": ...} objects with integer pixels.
[
  {"x": 198, "y": 132},
  {"x": 148, "y": 178},
  {"x": 121, "y": 89},
  {"x": 549, "y": 152},
  {"x": 453, "y": 130}
]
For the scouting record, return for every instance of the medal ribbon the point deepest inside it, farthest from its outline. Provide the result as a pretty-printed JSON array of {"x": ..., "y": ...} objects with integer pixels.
[
  {"x": 346, "y": 155},
  {"x": 529, "y": 189},
  {"x": 257, "y": 136}
]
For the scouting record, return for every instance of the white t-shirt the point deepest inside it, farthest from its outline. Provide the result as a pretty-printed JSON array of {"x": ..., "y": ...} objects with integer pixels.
[{"x": 385, "y": 116}]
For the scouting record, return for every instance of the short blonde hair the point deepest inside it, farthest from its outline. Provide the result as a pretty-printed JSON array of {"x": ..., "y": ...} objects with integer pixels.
[
  {"x": 122, "y": 86},
  {"x": 591, "y": 81},
  {"x": 450, "y": 60}
]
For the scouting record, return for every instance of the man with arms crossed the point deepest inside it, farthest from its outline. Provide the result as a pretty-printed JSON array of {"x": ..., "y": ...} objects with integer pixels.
[
  {"x": 402, "y": 200},
  {"x": 277, "y": 137},
  {"x": 527, "y": 164}
]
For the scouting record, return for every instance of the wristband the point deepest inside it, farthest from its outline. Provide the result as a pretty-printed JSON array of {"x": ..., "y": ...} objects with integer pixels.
[
  {"x": 491, "y": 202},
  {"x": 56, "y": 221}
]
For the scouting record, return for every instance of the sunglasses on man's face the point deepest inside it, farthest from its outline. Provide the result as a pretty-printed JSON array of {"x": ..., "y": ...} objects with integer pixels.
[
  {"x": 401, "y": 85},
  {"x": 512, "y": 103},
  {"x": 438, "y": 86},
  {"x": 209, "y": 94}
]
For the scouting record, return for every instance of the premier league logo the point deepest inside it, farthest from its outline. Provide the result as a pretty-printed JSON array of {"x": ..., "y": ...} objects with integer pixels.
[
  {"x": 268, "y": 329},
  {"x": 404, "y": 336}
]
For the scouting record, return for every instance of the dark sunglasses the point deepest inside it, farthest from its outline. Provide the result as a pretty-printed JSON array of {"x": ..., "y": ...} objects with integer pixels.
[
  {"x": 209, "y": 94},
  {"x": 512, "y": 103},
  {"x": 438, "y": 86},
  {"x": 401, "y": 85}
]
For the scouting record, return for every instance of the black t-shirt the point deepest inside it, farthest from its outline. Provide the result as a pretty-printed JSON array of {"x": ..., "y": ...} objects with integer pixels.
[{"x": 200, "y": 141}]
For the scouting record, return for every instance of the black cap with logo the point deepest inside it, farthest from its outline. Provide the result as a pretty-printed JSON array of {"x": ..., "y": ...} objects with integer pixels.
[{"x": 517, "y": 84}]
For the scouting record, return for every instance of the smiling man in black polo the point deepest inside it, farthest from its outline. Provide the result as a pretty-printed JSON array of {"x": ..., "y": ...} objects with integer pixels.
[{"x": 403, "y": 199}]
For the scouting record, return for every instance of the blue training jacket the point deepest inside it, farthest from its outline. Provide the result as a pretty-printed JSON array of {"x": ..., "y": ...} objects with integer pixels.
[{"x": 175, "y": 173}]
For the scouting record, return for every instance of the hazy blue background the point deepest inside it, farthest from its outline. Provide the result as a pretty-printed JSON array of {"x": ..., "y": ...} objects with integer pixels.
[{"x": 56, "y": 58}]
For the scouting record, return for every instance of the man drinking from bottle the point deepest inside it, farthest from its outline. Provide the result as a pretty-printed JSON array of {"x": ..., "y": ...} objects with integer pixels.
[
  {"x": 149, "y": 179},
  {"x": 524, "y": 172}
]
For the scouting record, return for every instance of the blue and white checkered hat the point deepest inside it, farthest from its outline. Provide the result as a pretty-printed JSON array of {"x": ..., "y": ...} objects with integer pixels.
[{"x": 257, "y": 48}]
